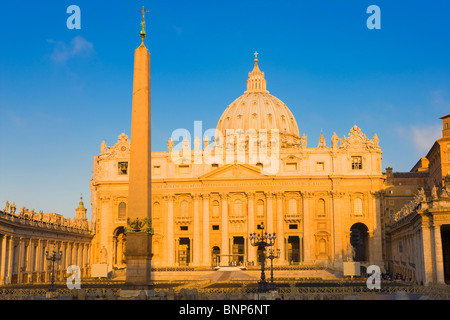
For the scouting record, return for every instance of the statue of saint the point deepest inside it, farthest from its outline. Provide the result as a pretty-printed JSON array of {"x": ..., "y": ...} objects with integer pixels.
[
  {"x": 6, "y": 207},
  {"x": 170, "y": 145},
  {"x": 304, "y": 141},
  {"x": 434, "y": 195},
  {"x": 375, "y": 140},
  {"x": 13, "y": 208},
  {"x": 103, "y": 147},
  {"x": 103, "y": 255}
]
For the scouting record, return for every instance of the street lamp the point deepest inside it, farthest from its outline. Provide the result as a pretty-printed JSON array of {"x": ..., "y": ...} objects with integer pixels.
[
  {"x": 272, "y": 256},
  {"x": 53, "y": 257},
  {"x": 262, "y": 241}
]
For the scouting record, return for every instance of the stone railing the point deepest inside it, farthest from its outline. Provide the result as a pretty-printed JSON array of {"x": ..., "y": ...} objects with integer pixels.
[
  {"x": 410, "y": 207},
  {"x": 44, "y": 221}
]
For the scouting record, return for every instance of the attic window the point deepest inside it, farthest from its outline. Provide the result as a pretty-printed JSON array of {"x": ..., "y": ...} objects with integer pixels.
[
  {"x": 291, "y": 166},
  {"x": 357, "y": 163},
  {"x": 123, "y": 168},
  {"x": 214, "y": 166},
  {"x": 183, "y": 168}
]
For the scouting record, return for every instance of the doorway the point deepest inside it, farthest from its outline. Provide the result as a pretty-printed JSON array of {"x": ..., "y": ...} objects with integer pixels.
[
  {"x": 238, "y": 251},
  {"x": 445, "y": 237},
  {"x": 293, "y": 249},
  {"x": 359, "y": 239},
  {"x": 184, "y": 252}
]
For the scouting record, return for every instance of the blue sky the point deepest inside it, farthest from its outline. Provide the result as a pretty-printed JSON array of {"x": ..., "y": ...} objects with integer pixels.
[{"x": 64, "y": 91}]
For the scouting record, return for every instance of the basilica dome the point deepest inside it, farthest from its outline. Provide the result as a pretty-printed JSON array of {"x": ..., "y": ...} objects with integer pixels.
[{"x": 257, "y": 109}]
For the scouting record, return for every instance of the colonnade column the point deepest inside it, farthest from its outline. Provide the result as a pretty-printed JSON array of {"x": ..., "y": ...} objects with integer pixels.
[
  {"x": 427, "y": 251},
  {"x": 206, "y": 230},
  {"x": 438, "y": 254},
  {"x": 2, "y": 257}
]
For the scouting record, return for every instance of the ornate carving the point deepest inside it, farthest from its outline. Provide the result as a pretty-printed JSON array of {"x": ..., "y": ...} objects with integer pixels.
[
  {"x": 358, "y": 140},
  {"x": 139, "y": 225}
]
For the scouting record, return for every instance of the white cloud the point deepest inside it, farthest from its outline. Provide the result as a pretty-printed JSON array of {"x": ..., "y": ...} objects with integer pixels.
[
  {"x": 77, "y": 47},
  {"x": 423, "y": 138}
]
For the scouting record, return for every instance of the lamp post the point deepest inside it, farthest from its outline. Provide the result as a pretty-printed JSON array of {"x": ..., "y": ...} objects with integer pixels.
[
  {"x": 272, "y": 256},
  {"x": 262, "y": 241},
  {"x": 53, "y": 258}
]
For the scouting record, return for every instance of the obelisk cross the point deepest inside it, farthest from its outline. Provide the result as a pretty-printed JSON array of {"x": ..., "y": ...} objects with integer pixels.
[
  {"x": 143, "y": 15},
  {"x": 143, "y": 23}
]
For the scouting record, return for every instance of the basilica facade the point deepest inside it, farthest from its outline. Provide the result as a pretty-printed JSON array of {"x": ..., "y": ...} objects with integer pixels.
[{"x": 208, "y": 197}]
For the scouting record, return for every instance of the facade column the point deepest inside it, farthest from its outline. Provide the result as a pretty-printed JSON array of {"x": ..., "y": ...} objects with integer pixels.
[
  {"x": 337, "y": 227},
  {"x": 206, "y": 230},
  {"x": 225, "y": 245},
  {"x": 438, "y": 255},
  {"x": 269, "y": 227},
  {"x": 308, "y": 242},
  {"x": 170, "y": 260},
  {"x": 280, "y": 229},
  {"x": 196, "y": 245},
  {"x": 251, "y": 226}
]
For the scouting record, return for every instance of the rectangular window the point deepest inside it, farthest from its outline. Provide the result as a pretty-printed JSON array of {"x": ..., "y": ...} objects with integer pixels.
[
  {"x": 183, "y": 168},
  {"x": 292, "y": 166},
  {"x": 293, "y": 226},
  {"x": 184, "y": 228},
  {"x": 123, "y": 168},
  {"x": 320, "y": 166},
  {"x": 356, "y": 163},
  {"x": 156, "y": 169},
  {"x": 214, "y": 166},
  {"x": 215, "y": 227}
]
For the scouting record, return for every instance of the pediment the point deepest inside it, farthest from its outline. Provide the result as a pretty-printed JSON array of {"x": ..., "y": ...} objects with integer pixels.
[{"x": 235, "y": 171}]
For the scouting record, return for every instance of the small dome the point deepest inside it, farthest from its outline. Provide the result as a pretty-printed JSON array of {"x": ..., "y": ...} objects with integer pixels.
[{"x": 257, "y": 109}]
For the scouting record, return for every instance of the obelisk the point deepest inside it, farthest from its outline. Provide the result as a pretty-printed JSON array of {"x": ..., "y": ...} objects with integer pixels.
[{"x": 138, "y": 250}]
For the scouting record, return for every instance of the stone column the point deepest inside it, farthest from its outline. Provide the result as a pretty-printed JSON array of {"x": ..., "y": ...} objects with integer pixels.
[
  {"x": 9, "y": 267},
  {"x": 251, "y": 226},
  {"x": 2, "y": 257},
  {"x": 337, "y": 216},
  {"x": 427, "y": 251},
  {"x": 224, "y": 246},
  {"x": 280, "y": 229},
  {"x": 377, "y": 245},
  {"x": 196, "y": 245},
  {"x": 438, "y": 254},
  {"x": 206, "y": 257},
  {"x": 269, "y": 227},
  {"x": 308, "y": 215},
  {"x": 170, "y": 260}
]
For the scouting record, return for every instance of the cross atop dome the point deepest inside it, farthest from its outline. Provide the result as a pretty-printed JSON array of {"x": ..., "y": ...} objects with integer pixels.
[{"x": 256, "y": 81}]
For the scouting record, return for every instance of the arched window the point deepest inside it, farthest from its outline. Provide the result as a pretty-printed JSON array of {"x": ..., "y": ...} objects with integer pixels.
[
  {"x": 260, "y": 207},
  {"x": 215, "y": 209},
  {"x": 184, "y": 208},
  {"x": 156, "y": 209},
  {"x": 238, "y": 207},
  {"x": 321, "y": 208},
  {"x": 358, "y": 207},
  {"x": 293, "y": 207},
  {"x": 122, "y": 211}
]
